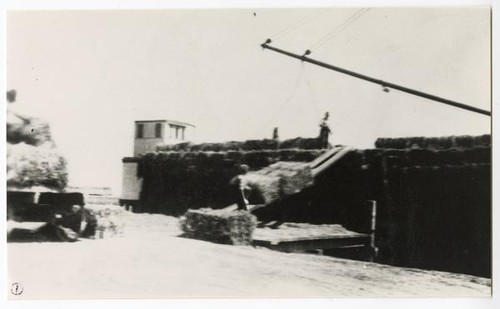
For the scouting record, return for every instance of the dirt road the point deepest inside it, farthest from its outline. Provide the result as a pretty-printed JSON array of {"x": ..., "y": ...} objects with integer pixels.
[{"x": 148, "y": 260}]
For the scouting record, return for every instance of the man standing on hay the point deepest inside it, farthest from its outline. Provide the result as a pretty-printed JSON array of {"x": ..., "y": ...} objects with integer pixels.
[
  {"x": 324, "y": 131},
  {"x": 239, "y": 188}
]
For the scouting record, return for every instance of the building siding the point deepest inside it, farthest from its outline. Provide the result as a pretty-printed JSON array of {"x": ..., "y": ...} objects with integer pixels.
[{"x": 131, "y": 184}]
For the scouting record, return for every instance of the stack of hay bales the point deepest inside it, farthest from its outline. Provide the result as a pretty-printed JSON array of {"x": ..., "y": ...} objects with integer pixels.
[
  {"x": 279, "y": 180},
  {"x": 248, "y": 145},
  {"x": 301, "y": 143},
  {"x": 445, "y": 142},
  {"x": 219, "y": 226},
  {"x": 176, "y": 181},
  {"x": 32, "y": 157}
]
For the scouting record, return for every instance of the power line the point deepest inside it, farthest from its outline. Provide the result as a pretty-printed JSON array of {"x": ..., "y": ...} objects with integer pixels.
[
  {"x": 334, "y": 30},
  {"x": 298, "y": 24},
  {"x": 320, "y": 107},
  {"x": 337, "y": 30},
  {"x": 311, "y": 94},
  {"x": 288, "y": 99}
]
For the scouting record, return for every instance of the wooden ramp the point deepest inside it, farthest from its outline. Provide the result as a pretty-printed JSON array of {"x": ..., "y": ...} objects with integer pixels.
[
  {"x": 326, "y": 160},
  {"x": 302, "y": 237}
]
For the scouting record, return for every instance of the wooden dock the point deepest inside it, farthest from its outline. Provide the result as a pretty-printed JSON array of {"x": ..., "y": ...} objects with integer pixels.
[{"x": 303, "y": 237}]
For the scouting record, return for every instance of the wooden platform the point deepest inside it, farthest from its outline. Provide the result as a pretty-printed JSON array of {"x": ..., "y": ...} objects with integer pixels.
[{"x": 301, "y": 237}]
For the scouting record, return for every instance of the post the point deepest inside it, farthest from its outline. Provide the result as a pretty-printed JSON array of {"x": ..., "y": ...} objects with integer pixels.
[{"x": 373, "y": 226}]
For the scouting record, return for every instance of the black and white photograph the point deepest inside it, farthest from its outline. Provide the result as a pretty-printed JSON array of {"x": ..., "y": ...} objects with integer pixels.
[{"x": 249, "y": 153}]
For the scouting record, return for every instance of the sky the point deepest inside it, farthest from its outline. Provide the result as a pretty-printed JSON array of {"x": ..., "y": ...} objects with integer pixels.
[{"x": 91, "y": 74}]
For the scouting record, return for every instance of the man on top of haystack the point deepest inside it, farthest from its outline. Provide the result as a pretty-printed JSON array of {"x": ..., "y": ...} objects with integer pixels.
[{"x": 324, "y": 131}]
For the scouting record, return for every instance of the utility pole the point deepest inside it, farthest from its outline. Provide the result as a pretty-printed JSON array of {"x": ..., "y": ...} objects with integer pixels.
[{"x": 385, "y": 85}]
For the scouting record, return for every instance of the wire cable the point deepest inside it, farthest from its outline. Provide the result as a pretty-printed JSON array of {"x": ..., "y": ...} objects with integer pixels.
[
  {"x": 288, "y": 99},
  {"x": 336, "y": 31},
  {"x": 311, "y": 94},
  {"x": 340, "y": 28},
  {"x": 287, "y": 30}
]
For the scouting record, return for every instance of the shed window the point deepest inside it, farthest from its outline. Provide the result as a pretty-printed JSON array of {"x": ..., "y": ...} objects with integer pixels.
[
  {"x": 158, "y": 130},
  {"x": 177, "y": 132},
  {"x": 139, "y": 130}
]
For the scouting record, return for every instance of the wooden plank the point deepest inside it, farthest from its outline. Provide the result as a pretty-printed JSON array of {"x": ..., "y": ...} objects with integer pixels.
[
  {"x": 296, "y": 237},
  {"x": 250, "y": 208},
  {"x": 289, "y": 231},
  {"x": 321, "y": 159},
  {"x": 326, "y": 164},
  {"x": 316, "y": 243}
]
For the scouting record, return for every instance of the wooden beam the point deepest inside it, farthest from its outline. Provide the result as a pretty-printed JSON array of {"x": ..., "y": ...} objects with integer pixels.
[{"x": 378, "y": 81}]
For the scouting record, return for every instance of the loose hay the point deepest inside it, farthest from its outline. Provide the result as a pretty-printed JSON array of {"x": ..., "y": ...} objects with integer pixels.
[{"x": 219, "y": 226}]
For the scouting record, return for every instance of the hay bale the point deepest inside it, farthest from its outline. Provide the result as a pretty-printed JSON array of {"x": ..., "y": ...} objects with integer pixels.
[
  {"x": 436, "y": 143},
  {"x": 452, "y": 156},
  {"x": 264, "y": 144},
  {"x": 32, "y": 131},
  {"x": 258, "y": 158},
  {"x": 219, "y": 226},
  {"x": 306, "y": 155},
  {"x": 279, "y": 180},
  {"x": 175, "y": 147},
  {"x": 391, "y": 143},
  {"x": 268, "y": 187},
  {"x": 248, "y": 145},
  {"x": 29, "y": 166},
  {"x": 421, "y": 157},
  {"x": 464, "y": 141},
  {"x": 235, "y": 156},
  {"x": 478, "y": 155},
  {"x": 482, "y": 141},
  {"x": 294, "y": 176},
  {"x": 301, "y": 143}
]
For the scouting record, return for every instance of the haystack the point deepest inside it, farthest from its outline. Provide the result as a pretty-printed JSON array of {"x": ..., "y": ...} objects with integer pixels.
[
  {"x": 219, "y": 226},
  {"x": 32, "y": 157}
]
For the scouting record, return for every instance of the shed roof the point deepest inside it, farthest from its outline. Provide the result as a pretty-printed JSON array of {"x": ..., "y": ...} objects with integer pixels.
[{"x": 169, "y": 121}]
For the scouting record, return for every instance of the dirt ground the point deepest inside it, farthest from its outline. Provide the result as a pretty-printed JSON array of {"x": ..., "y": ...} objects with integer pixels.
[{"x": 141, "y": 256}]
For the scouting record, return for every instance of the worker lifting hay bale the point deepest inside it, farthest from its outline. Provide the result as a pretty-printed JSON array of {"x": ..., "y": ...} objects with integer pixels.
[
  {"x": 219, "y": 226},
  {"x": 234, "y": 225}
]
